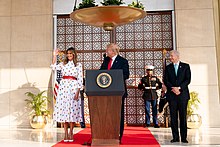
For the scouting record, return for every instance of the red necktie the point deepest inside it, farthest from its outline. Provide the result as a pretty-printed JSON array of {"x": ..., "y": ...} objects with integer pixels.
[{"x": 110, "y": 64}]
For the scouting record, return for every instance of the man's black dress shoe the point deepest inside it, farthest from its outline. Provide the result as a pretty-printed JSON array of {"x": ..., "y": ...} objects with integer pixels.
[
  {"x": 174, "y": 140},
  {"x": 184, "y": 141},
  {"x": 119, "y": 140},
  {"x": 156, "y": 126},
  {"x": 147, "y": 125}
]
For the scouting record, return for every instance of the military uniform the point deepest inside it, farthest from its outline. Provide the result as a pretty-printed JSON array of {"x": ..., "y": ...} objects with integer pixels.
[{"x": 149, "y": 84}]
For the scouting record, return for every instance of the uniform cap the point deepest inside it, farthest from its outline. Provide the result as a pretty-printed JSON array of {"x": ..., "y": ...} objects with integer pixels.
[{"x": 149, "y": 67}]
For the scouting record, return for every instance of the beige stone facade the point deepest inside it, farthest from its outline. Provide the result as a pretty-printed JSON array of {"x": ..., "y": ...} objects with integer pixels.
[
  {"x": 26, "y": 43},
  {"x": 195, "y": 32},
  {"x": 26, "y": 38}
]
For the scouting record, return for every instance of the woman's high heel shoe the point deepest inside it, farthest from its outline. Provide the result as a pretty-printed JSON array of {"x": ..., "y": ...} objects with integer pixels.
[
  {"x": 66, "y": 138},
  {"x": 71, "y": 138}
]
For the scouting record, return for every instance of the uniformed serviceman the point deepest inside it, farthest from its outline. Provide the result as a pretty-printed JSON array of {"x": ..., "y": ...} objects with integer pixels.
[{"x": 149, "y": 84}]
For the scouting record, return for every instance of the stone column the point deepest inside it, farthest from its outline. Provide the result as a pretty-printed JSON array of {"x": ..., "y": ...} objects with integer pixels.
[
  {"x": 26, "y": 28},
  {"x": 196, "y": 42}
]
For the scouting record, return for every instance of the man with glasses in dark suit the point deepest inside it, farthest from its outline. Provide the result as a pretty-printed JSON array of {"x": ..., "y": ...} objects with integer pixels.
[{"x": 177, "y": 78}]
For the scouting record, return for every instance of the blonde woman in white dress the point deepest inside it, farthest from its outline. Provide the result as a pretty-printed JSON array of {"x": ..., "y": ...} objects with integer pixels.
[{"x": 67, "y": 109}]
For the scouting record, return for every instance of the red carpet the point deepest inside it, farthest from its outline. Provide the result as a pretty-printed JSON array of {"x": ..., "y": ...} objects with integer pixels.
[{"x": 133, "y": 136}]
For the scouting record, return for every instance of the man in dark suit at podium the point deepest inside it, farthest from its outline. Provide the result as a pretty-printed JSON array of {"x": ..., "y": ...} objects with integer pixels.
[
  {"x": 177, "y": 78},
  {"x": 112, "y": 60}
]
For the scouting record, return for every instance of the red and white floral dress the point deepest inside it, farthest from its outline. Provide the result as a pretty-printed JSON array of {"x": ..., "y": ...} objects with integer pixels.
[{"x": 66, "y": 108}]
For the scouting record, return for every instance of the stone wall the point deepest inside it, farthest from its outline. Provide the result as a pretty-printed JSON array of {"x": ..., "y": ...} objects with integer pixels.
[
  {"x": 26, "y": 38},
  {"x": 196, "y": 42}
]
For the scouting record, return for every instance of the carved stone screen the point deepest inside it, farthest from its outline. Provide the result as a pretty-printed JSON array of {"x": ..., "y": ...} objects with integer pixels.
[{"x": 141, "y": 42}]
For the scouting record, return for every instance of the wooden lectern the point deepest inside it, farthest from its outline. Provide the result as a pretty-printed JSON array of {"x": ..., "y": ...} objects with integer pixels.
[{"x": 104, "y": 89}]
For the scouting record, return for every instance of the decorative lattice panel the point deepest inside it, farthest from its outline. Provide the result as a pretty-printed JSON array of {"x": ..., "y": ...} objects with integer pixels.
[
  {"x": 145, "y": 42},
  {"x": 142, "y": 42}
]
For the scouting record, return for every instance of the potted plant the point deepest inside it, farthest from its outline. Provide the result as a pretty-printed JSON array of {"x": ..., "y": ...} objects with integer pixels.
[
  {"x": 137, "y": 4},
  {"x": 112, "y": 2},
  {"x": 38, "y": 105},
  {"x": 86, "y": 4},
  {"x": 194, "y": 120}
]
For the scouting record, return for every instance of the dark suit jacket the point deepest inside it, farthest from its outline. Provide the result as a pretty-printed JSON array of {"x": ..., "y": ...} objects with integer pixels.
[
  {"x": 182, "y": 80},
  {"x": 149, "y": 94},
  {"x": 119, "y": 63}
]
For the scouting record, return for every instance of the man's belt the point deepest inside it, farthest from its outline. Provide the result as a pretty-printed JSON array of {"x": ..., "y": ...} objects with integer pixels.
[
  {"x": 70, "y": 77},
  {"x": 150, "y": 87}
]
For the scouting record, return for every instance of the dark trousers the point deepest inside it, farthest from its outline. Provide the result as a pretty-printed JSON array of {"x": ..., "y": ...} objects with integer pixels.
[
  {"x": 177, "y": 106},
  {"x": 82, "y": 124},
  {"x": 122, "y": 117},
  {"x": 153, "y": 104}
]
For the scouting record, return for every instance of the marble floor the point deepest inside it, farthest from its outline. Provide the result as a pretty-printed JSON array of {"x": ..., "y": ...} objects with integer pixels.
[{"x": 203, "y": 137}]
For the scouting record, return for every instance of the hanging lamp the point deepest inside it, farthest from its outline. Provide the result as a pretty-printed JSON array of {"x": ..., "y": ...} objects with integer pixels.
[{"x": 107, "y": 17}]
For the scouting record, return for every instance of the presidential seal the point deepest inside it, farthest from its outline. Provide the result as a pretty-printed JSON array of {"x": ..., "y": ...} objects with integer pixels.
[{"x": 104, "y": 80}]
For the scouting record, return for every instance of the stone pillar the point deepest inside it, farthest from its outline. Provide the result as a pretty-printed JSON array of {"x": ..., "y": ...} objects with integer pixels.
[
  {"x": 196, "y": 42},
  {"x": 26, "y": 28}
]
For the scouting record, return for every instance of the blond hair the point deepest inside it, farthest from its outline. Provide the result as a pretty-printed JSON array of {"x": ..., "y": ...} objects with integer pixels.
[{"x": 114, "y": 47}]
